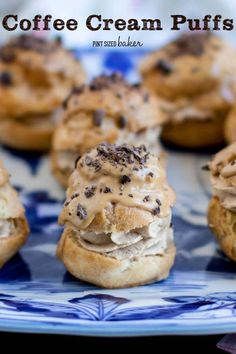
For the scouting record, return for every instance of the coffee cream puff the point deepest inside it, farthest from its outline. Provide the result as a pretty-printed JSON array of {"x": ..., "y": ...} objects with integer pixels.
[
  {"x": 107, "y": 110},
  {"x": 222, "y": 207},
  {"x": 35, "y": 77},
  {"x": 194, "y": 76},
  {"x": 14, "y": 228},
  {"x": 117, "y": 218}
]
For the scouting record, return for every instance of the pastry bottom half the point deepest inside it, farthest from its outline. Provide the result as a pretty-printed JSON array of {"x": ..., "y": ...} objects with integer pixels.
[
  {"x": 108, "y": 272},
  {"x": 195, "y": 133},
  {"x": 222, "y": 222}
]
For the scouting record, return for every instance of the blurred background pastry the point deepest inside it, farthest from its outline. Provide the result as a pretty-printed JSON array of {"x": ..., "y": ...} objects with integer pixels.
[
  {"x": 14, "y": 228},
  {"x": 117, "y": 218},
  {"x": 107, "y": 110},
  {"x": 222, "y": 207},
  {"x": 230, "y": 126},
  {"x": 35, "y": 77},
  {"x": 195, "y": 77}
]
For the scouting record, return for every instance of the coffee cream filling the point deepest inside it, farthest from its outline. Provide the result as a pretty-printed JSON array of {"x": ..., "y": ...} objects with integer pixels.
[
  {"x": 6, "y": 227},
  {"x": 149, "y": 240},
  {"x": 223, "y": 176}
]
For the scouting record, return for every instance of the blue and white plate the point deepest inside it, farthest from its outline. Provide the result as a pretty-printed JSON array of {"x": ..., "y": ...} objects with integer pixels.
[{"x": 38, "y": 295}]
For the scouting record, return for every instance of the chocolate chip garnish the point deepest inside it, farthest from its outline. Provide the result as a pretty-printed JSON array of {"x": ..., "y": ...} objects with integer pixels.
[
  {"x": 81, "y": 212},
  {"x": 107, "y": 190},
  {"x": 75, "y": 91},
  {"x": 164, "y": 67},
  {"x": 130, "y": 195},
  {"x": 206, "y": 167},
  {"x": 125, "y": 179},
  {"x": 77, "y": 160},
  {"x": 146, "y": 199},
  {"x": 89, "y": 191},
  {"x": 232, "y": 163},
  {"x": 150, "y": 174},
  {"x": 122, "y": 122},
  {"x": 5, "y": 78},
  {"x": 75, "y": 195},
  {"x": 7, "y": 56},
  {"x": 158, "y": 202},
  {"x": 156, "y": 211},
  {"x": 98, "y": 116},
  {"x": 137, "y": 85}
]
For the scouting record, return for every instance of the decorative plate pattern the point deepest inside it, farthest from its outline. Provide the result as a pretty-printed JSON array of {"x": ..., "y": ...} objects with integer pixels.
[{"x": 38, "y": 295}]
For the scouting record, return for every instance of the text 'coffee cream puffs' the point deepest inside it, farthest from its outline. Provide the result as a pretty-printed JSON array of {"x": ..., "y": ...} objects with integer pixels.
[
  {"x": 14, "y": 228},
  {"x": 195, "y": 76},
  {"x": 117, "y": 218},
  {"x": 108, "y": 110},
  {"x": 35, "y": 77},
  {"x": 222, "y": 207}
]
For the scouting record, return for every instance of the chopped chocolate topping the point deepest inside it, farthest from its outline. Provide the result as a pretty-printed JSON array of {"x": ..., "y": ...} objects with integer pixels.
[
  {"x": 158, "y": 202},
  {"x": 125, "y": 179},
  {"x": 75, "y": 91},
  {"x": 66, "y": 203},
  {"x": 105, "y": 82},
  {"x": 206, "y": 167},
  {"x": 98, "y": 116},
  {"x": 5, "y": 78},
  {"x": 130, "y": 195},
  {"x": 77, "y": 160},
  {"x": 156, "y": 211},
  {"x": 146, "y": 199},
  {"x": 190, "y": 44},
  {"x": 232, "y": 163},
  {"x": 75, "y": 195},
  {"x": 81, "y": 212},
  {"x": 150, "y": 174},
  {"x": 137, "y": 85},
  {"x": 29, "y": 42},
  {"x": 122, "y": 122},
  {"x": 89, "y": 191},
  {"x": 93, "y": 163},
  {"x": 100, "y": 190},
  {"x": 107, "y": 190},
  {"x": 164, "y": 67},
  {"x": 123, "y": 155},
  {"x": 7, "y": 56},
  {"x": 121, "y": 193}
]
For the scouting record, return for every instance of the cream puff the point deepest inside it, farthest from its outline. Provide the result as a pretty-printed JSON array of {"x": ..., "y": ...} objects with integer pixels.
[
  {"x": 230, "y": 126},
  {"x": 14, "y": 228},
  {"x": 107, "y": 110},
  {"x": 194, "y": 76},
  {"x": 222, "y": 207},
  {"x": 117, "y": 218},
  {"x": 35, "y": 77}
]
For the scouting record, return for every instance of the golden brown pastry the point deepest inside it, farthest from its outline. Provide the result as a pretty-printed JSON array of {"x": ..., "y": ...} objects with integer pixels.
[
  {"x": 14, "y": 228},
  {"x": 222, "y": 207},
  {"x": 117, "y": 218},
  {"x": 35, "y": 77},
  {"x": 107, "y": 110},
  {"x": 194, "y": 76},
  {"x": 230, "y": 126}
]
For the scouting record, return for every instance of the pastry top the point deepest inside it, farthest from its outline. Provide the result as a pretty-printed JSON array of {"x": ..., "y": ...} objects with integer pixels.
[
  {"x": 117, "y": 188},
  {"x": 223, "y": 176},
  {"x": 190, "y": 65},
  {"x": 35, "y": 76},
  {"x": 102, "y": 110},
  {"x": 10, "y": 205}
]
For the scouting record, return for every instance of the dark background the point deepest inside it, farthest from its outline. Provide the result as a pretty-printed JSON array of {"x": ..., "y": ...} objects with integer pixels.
[{"x": 76, "y": 344}]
